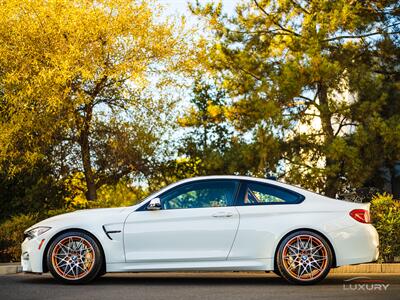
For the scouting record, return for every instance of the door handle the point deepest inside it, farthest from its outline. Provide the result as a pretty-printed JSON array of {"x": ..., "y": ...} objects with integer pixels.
[{"x": 222, "y": 214}]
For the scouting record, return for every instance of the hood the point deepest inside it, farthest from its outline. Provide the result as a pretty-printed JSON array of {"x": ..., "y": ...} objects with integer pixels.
[{"x": 86, "y": 216}]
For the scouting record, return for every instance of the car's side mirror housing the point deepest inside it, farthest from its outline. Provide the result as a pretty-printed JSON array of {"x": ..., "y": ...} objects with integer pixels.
[{"x": 154, "y": 204}]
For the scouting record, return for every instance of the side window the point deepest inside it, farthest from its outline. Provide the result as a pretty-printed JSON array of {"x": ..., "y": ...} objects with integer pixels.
[
  {"x": 258, "y": 193},
  {"x": 201, "y": 194}
]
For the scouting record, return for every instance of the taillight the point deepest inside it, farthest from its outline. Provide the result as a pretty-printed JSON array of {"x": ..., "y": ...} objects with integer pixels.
[{"x": 361, "y": 215}]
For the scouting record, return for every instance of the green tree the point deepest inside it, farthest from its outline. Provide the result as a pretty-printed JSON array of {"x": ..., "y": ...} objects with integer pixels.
[
  {"x": 291, "y": 68},
  {"x": 378, "y": 134},
  {"x": 212, "y": 146},
  {"x": 207, "y": 136}
]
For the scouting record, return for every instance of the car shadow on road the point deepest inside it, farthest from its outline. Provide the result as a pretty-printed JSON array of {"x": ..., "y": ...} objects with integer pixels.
[
  {"x": 190, "y": 280},
  {"x": 180, "y": 280}
]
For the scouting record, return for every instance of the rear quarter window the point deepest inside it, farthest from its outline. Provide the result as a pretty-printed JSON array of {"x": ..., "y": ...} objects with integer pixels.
[{"x": 266, "y": 194}]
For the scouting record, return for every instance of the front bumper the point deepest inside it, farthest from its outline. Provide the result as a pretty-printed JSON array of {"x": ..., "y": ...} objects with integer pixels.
[{"x": 32, "y": 254}]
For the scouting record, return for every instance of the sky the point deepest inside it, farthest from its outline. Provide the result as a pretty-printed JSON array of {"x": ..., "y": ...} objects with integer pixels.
[{"x": 181, "y": 7}]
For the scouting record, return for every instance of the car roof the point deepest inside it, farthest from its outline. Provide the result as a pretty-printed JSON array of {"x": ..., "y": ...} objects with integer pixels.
[
  {"x": 237, "y": 177},
  {"x": 241, "y": 177}
]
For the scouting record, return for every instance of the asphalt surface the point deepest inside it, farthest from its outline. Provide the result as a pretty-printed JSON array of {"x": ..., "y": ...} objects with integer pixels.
[{"x": 193, "y": 286}]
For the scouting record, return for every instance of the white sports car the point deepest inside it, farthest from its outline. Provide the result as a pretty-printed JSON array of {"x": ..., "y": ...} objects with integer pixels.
[{"x": 214, "y": 223}]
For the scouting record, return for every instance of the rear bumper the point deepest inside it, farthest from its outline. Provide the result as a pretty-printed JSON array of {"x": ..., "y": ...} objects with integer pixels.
[{"x": 356, "y": 244}]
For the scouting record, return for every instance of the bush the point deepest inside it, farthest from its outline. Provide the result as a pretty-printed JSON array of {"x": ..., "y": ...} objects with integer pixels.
[
  {"x": 385, "y": 213},
  {"x": 12, "y": 233},
  {"x": 29, "y": 191}
]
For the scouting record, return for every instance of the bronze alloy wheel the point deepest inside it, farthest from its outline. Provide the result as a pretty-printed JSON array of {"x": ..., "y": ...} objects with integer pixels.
[
  {"x": 304, "y": 258},
  {"x": 74, "y": 257}
]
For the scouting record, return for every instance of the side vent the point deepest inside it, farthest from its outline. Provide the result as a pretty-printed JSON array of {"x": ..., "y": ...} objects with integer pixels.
[{"x": 108, "y": 232}]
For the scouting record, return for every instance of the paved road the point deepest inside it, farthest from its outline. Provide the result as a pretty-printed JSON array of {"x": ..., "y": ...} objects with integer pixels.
[{"x": 229, "y": 286}]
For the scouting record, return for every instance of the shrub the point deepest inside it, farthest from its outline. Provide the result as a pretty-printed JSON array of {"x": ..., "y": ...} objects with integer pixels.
[
  {"x": 12, "y": 234},
  {"x": 385, "y": 213}
]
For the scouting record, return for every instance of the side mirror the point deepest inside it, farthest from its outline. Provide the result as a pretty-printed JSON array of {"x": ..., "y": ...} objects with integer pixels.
[{"x": 154, "y": 204}]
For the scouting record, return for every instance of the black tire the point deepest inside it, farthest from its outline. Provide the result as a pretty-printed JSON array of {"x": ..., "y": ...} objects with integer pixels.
[
  {"x": 101, "y": 273},
  {"x": 276, "y": 269},
  {"x": 304, "y": 257},
  {"x": 75, "y": 257},
  {"x": 276, "y": 272}
]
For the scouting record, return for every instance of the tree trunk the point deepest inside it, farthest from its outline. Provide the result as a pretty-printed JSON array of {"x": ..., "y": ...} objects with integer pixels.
[
  {"x": 91, "y": 193},
  {"x": 326, "y": 123}
]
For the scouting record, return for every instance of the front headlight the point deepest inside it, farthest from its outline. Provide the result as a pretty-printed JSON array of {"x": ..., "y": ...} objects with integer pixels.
[{"x": 35, "y": 232}]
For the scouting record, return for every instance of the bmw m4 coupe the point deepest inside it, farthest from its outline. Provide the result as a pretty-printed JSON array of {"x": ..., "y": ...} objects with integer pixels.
[{"x": 214, "y": 223}]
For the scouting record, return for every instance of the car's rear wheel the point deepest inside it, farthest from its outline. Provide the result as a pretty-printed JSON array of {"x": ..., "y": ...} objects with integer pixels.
[
  {"x": 304, "y": 257},
  {"x": 74, "y": 257},
  {"x": 101, "y": 273}
]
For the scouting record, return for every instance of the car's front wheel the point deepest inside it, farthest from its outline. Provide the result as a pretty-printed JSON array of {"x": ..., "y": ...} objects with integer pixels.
[
  {"x": 74, "y": 257},
  {"x": 304, "y": 257}
]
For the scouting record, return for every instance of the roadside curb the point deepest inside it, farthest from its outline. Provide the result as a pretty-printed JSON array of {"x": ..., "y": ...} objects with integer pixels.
[
  {"x": 368, "y": 268},
  {"x": 13, "y": 268},
  {"x": 10, "y": 268}
]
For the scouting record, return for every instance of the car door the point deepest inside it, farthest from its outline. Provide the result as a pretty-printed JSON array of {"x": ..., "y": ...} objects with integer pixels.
[
  {"x": 266, "y": 210},
  {"x": 196, "y": 222}
]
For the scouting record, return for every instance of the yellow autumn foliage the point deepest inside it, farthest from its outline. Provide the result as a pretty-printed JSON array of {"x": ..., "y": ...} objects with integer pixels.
[{"x": 56, "y": 55}]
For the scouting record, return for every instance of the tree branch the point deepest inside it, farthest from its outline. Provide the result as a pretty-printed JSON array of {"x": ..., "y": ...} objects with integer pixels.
[
  {"x": 274, "y": 21},
  {"x": 299, "y": 164},
  {"x": 342, "y": 124},
  {"x": 299, "y": 6},
  {"x": 378, "y": 32}
]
